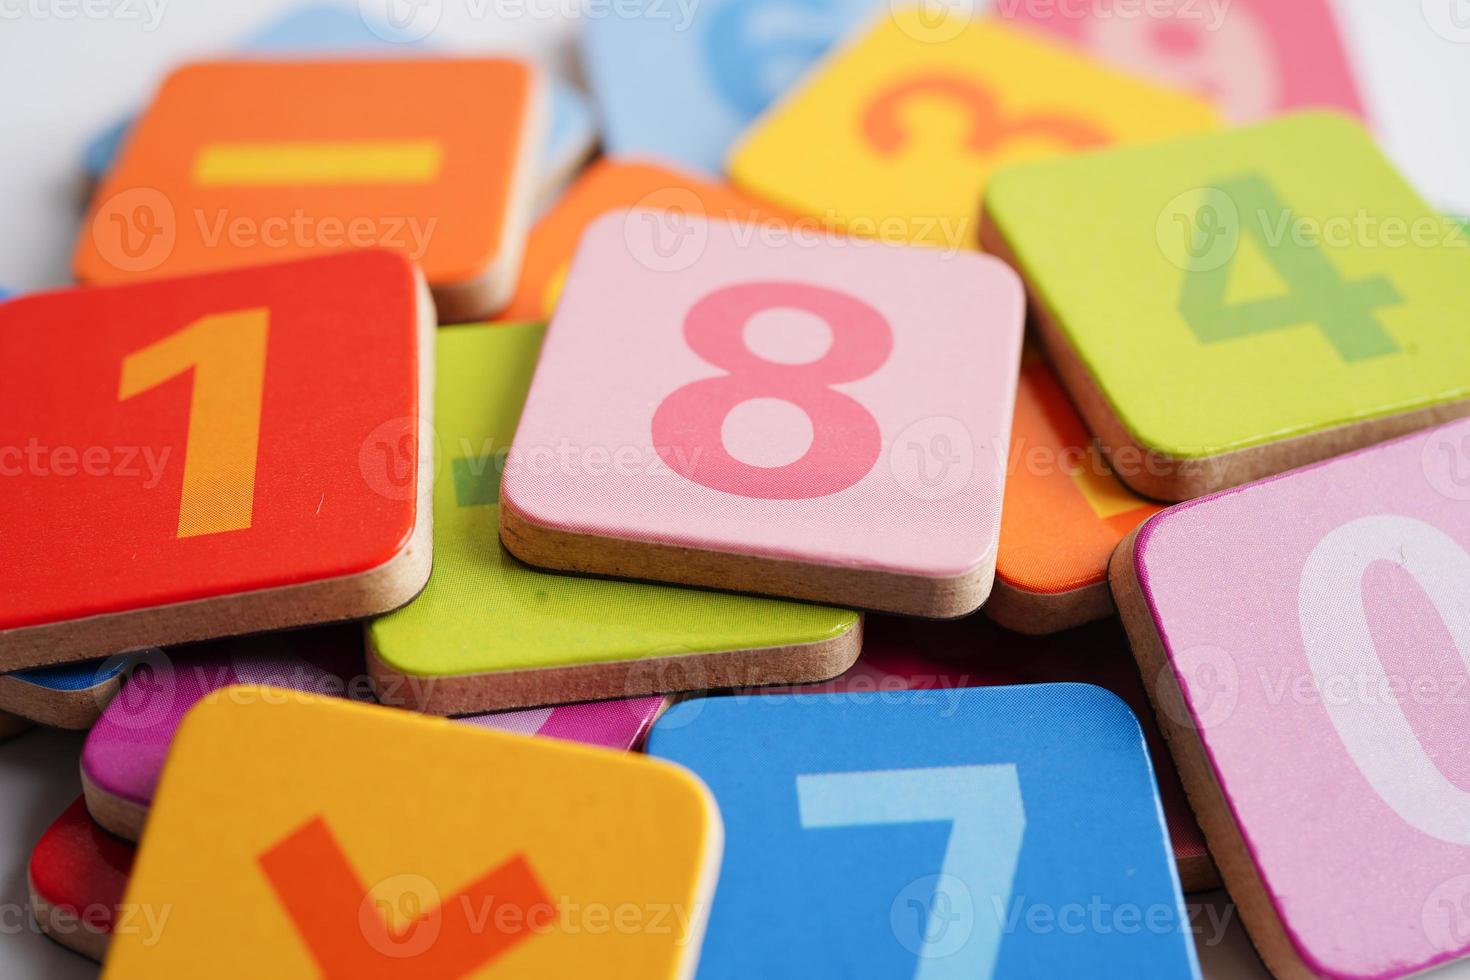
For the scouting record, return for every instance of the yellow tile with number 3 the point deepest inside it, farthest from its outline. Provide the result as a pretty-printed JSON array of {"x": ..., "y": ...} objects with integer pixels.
[{"x": 895, "y": 135}]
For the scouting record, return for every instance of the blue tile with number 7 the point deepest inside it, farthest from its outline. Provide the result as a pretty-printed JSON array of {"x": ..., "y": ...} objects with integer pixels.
[{"x": 997, "y": 832}]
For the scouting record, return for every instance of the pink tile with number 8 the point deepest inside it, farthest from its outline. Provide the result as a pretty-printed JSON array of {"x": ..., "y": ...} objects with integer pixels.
[{"x": 793, "y": 414}]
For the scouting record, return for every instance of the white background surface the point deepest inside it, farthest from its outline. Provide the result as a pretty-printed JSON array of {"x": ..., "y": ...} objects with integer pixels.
[{"x": 66, "y": 77}]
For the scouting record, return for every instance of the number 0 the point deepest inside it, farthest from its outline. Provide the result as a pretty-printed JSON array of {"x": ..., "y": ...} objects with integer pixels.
[
  {"x": 226, "y": 352},
  {"x": 1335, "y": 633}
]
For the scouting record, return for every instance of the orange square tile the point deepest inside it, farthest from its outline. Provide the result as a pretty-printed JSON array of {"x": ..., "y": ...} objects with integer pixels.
[{"x": 238, "y": 163}]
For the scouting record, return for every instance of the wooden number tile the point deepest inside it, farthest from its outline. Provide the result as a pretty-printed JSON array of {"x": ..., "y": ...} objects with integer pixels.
[
  {"x": 125, "y": 751},
  {"x": 319, "y": 30},
  {"x": 901, "y": 838},
  {"x": 212, "y": 455},
  {"x": 674, "y": 200},
  {"x": 1253, "y": 58},
  {"x": 249, "y": 162},
  {"x": 1290, "y": 298},
  {"x": 1306, "y": 642},
  {"x": 490, "y": 633},
  {"x": 70, "y": 696},
  {"x": 681, "y": 83},
  {"x": 295, "y": 835},
  {"x": 814, "y": 418},
  {"x": 895, "y": 135},
  {"x": 78, "y": 872},
  {"x": 1065, "y": 512}
]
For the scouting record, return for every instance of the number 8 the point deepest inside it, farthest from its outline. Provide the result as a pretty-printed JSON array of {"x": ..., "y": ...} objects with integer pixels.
[{"x": 846, "y": 442}]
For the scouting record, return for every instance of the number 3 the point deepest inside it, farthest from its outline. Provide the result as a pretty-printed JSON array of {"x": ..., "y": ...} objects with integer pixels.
[
  {"x": 846, "y": 442},
  {"x": 226, "y": 352}
]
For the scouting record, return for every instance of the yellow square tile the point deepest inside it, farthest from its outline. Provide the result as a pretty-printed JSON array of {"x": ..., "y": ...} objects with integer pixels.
[
  {"x": 298, "y": 836},
  {"x": 895, "y": 135}
]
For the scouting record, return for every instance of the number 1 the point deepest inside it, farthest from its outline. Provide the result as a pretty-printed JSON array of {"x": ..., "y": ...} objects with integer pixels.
[{"x": 226, "y": 352}]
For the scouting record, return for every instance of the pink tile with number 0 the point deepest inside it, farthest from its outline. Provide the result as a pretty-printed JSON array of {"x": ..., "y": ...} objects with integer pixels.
[
  {"x": 790, "y": 396},
  {"x": 1319, "y": 623}
]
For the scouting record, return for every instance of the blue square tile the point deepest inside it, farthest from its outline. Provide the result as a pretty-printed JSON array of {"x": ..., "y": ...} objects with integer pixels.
[{"x": 996, "y": 832}]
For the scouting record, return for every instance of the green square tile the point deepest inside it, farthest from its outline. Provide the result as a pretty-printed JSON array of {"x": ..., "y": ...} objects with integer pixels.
[
  {"x": 1234, "y": 289},
  {"x": 484, "y": 612}
]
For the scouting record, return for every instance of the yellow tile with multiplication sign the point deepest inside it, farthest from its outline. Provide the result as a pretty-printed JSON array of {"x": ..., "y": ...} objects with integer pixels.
[
  {"x": 302, "y": 836},
  {"x": 895, "y": 135}
]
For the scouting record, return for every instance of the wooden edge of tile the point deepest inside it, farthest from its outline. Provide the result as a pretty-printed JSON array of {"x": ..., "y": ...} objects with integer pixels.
[
  {"x": 1172, "y": 479},
  {"x": 1198, "y": 873},
  {"x": 892, "y": 592},
  {"x": 72, "y": 710},
  {"x": 111, "y": 812},
  {"x": 1039, "y": 613},
  {"x": 1237, "y": 870},
  {"x": 63, "y": 926},
  {"x": 369, "y": 593},
  {"x": 469, "y": 694},
  {"x": 485, "y": 295}
]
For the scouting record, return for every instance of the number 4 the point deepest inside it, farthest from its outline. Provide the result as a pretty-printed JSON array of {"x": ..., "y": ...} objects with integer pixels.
[
  {"x": 1317, "y": 292},
  {"x": 226, "y": 352},
  {"x": 983, "y": 806}
]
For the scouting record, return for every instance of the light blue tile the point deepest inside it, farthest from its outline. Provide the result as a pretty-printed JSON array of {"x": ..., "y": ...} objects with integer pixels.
[{"x": 680, "y": 79}]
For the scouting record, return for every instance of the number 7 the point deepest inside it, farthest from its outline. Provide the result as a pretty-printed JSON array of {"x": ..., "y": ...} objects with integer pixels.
[
  {"x": 983, "y": 806},
  {"x": 226, "y": 352}
]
